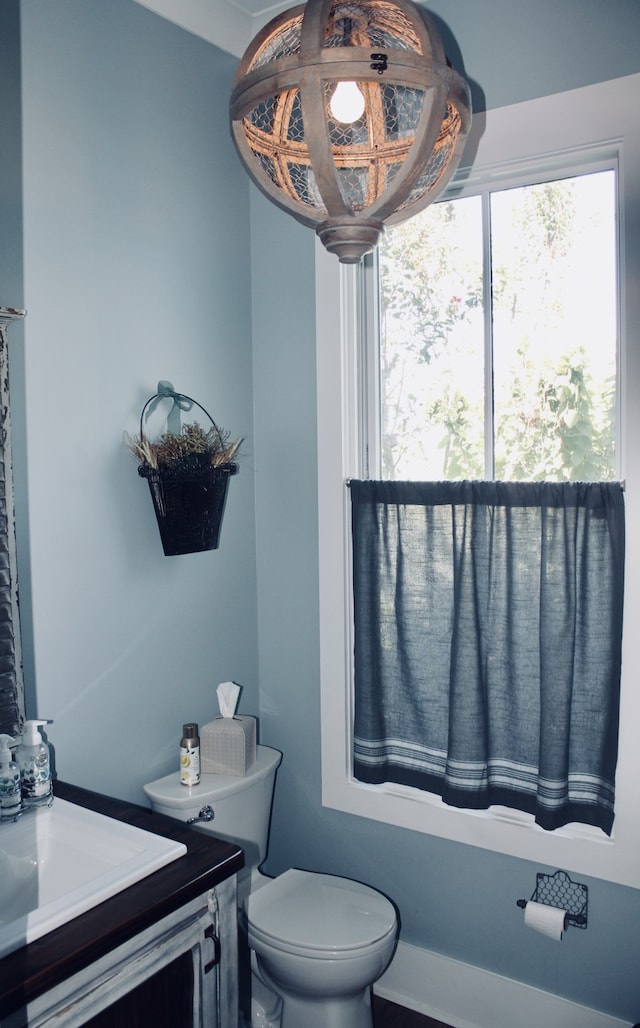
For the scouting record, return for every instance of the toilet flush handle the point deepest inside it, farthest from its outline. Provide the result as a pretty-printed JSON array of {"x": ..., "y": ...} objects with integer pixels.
[{"x": 206, "y": 814}]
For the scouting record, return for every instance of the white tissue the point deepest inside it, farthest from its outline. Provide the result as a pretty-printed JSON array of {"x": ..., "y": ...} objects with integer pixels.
[
  {"x": 228, "y": 694},
  {"x": 550, "y": 921}
]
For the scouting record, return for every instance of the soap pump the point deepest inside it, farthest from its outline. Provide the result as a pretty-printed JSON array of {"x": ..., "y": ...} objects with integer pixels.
[
  {"x": 33, "y": 760},
  {"x": 10, "y": 795}
]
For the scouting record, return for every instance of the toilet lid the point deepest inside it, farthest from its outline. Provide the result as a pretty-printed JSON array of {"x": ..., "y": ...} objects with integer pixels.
[{"x": 312, "y": 911}]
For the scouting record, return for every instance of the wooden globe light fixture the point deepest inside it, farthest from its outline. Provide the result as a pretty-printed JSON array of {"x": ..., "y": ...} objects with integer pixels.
[{"x": 347, "y": 114}]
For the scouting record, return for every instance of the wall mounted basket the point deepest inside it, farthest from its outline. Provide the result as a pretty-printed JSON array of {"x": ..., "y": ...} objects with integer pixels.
[{"x": 190, "y": 493}]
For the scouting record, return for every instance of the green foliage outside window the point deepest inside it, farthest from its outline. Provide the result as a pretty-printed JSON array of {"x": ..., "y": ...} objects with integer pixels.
[{"x": 529, "y": 358}]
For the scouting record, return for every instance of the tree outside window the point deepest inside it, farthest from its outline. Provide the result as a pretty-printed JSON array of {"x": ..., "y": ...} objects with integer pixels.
[{"x": 498, "y": 335}]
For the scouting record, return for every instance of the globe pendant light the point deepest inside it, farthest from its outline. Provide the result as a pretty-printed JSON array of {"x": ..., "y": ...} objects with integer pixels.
[{"x": 347, "y": 114}]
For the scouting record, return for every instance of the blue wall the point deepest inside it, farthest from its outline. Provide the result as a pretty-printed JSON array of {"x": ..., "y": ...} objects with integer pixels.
[
  {"x": 455, "y": 899},
  {"x": 11, "y": 174},
  {"x": 148, "y": 255},
  {"x": 136, "y": 268},
  {"x": 516, "y": 51}
]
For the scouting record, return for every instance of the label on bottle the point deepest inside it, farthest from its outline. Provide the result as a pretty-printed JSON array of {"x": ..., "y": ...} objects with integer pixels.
[
  {"x": 36, "y": 777},
  {"x": 189, "y": 765},
  {"x": 10, "y": 798}
]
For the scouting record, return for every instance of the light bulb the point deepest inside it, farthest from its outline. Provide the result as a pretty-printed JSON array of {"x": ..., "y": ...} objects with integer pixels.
[{"x": 347, "y": 103}]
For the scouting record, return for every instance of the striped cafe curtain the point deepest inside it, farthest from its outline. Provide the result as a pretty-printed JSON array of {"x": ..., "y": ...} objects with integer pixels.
[{"x": 488, "y": 628}]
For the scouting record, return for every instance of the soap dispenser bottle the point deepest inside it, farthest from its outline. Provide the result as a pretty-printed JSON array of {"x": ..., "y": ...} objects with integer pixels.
[
  {"x": 33, "y": 760},
  {"x": 10, "y": 794}
]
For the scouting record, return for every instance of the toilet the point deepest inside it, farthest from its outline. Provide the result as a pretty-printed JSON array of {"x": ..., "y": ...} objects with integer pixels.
[{"x": 318, "y": 942}]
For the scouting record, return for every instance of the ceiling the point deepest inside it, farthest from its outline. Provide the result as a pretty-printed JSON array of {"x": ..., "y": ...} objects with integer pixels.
[{"x": 230, "y": 24}]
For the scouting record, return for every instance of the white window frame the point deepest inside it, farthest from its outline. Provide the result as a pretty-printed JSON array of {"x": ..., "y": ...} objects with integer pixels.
[{"x": 601, "y": 121}]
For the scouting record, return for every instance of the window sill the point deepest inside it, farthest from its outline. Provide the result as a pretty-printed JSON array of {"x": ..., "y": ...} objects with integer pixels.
[{"x": 578, "y": 847}]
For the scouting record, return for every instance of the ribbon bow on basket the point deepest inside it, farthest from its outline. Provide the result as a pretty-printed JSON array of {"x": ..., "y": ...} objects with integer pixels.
[{"x": 188, "y": 471}]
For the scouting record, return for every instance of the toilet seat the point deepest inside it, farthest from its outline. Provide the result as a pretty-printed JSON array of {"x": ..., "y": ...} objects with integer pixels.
[{"x": 319, "y": 915}]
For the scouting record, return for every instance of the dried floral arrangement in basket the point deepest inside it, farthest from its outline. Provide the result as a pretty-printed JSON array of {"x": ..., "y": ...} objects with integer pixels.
[
  {"x": 188, "y": 470},
  {"x": 191, "y": 448}
]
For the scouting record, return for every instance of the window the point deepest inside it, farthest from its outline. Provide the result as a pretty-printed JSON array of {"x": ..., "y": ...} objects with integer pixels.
[
  {"x": 475, "y": 676},
  {"x": 594, "y": 129},
  {"x": 491, "y": 363}
]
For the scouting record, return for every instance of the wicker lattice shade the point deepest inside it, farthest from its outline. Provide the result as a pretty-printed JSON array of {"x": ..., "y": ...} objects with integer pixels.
[{"x": 347, "y": 179}]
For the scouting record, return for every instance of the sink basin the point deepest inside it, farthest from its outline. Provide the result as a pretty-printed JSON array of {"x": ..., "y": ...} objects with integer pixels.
[{"x": 57, "y": 862}]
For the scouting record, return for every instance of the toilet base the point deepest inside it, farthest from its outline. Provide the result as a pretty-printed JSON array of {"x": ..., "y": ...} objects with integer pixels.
[
  {"x": 326, "y": 1015},
  {"x": 266, "y": 1006},
  {"x": 351, "y": 1013},
  {"x": 288, "y": 1010}
]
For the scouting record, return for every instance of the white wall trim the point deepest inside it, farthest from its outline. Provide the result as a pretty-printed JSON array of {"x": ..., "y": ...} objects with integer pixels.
[{"x": 470, "y": 997}]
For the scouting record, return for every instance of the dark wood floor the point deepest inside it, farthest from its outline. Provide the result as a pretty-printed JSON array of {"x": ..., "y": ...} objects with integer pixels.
[{"x": 388, "y": 1015}]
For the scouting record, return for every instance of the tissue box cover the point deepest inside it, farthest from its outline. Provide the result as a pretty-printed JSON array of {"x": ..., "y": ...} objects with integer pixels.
[{"x": 228, "y": 745}]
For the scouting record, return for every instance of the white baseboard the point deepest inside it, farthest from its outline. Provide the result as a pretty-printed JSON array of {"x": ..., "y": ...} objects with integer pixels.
[{"x": 470, "y": 997}]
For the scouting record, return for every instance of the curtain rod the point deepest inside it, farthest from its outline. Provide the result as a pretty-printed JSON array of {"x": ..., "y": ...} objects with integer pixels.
[{"x": 621, "y": 482}]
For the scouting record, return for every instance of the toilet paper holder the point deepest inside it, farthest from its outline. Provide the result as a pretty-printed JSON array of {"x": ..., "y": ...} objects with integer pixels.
[{"x": 557, "y": 890}]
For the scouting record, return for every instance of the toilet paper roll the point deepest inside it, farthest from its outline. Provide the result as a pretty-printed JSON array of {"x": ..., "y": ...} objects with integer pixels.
[{"x": 549, "y": 921}]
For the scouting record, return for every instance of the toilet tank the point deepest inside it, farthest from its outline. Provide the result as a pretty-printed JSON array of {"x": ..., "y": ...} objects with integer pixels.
[{"x": 241, "y": 803}]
